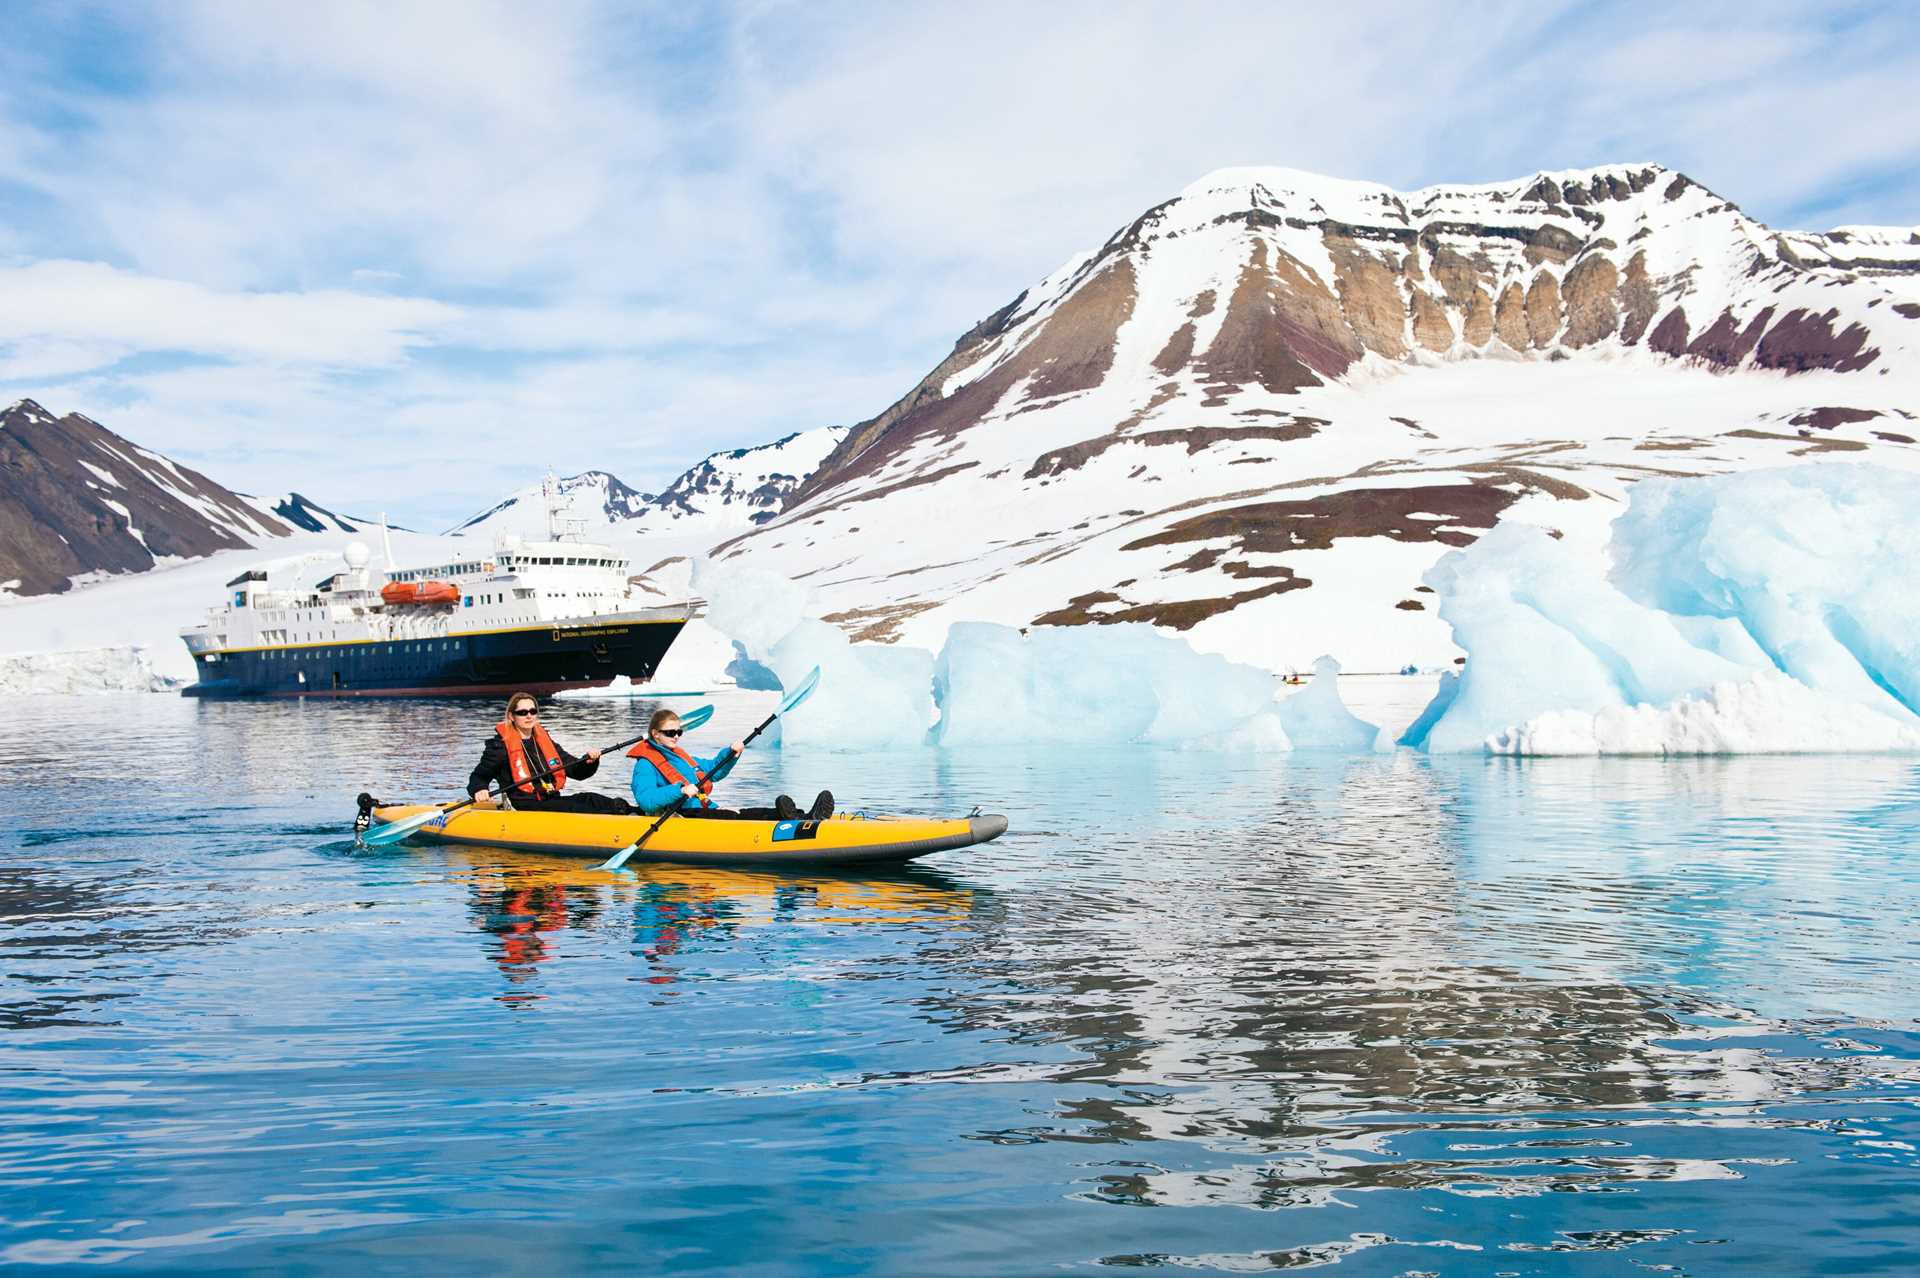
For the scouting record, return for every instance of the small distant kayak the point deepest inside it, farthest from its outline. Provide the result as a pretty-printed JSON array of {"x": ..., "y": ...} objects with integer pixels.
[{"x": 838, "y": 840}]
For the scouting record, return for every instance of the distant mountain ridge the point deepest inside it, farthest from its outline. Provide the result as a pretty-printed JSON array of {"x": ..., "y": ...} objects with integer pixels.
[
  {"x": 75, "y": 498},
  {"x": 724, "y": 493},
  {"x": 1261, "y": 410}
]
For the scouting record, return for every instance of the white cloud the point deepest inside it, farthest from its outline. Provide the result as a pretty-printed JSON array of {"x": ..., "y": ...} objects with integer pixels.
[
  {"x": 92, "y": 303},
  {"x": 466, "y": 239}
]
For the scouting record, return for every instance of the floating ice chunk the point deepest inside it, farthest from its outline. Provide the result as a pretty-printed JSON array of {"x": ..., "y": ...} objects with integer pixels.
[
  {"x": 1096, "y": 685},
  {"x": 1546, "y": 632},
  {"x": 748, "y": 673},
  {"x": 1771, "y": 713},
  {"x": 1715, "y": 582},
  {"x": 751, "y": 606},
  {"x": 86, "y": 670},
  {"x": 871, "y": 696},
  {"x": 1443, "y": 694},
  {"x": 1316, "y": 719},
  {"x": 1816, "y": 562}
]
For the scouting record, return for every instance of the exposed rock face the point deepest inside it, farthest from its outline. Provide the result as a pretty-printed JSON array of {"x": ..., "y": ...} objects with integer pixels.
[
  {"x": 1727, "y": 341},
  {"x": 76, "y": 498},
  {"x": 1283, "y": 329},
  {"x": 1590, "y": 308},
  {"x": 1075, "y": 350},
  {"x": 302, "y": 513},
  {"x": 1544, "y": 311},
  {"x": 1370, "y": 292},
  {"x": 1430, "y": 326},
  {"x": 1670, "y": 334},
  {"x": 1446, "y": 513},
  {"x": 1510, "y": 318},
  {"x": 1802, "y": 341},
  {"x": 1637, "y": 300},
  {"x": 1477, "y": 330}
]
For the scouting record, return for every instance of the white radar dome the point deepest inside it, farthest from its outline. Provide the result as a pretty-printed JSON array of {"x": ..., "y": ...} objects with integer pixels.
[{"x": 356, "y": 554}]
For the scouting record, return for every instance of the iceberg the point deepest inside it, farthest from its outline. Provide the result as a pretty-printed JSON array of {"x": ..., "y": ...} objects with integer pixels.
[
  {"x": 1089, "y": 685},
  {"x": 1764, "y": 611},
  {"x": 991, "y": 685},
  {"x": 871, "y": 696},
  {"x": 85, "y": 670},
  {"x": 1315, "y": 718}
]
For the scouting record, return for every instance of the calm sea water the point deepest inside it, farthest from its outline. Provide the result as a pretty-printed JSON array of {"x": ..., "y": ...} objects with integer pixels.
[{"x": 1406, "y": 1016}]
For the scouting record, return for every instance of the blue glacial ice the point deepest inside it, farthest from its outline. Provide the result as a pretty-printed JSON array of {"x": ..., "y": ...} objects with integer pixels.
[
  {"x": 1759, "y": 612},
  {"x": 1095, "y": 684},
  {"x": 991, "y": 684},
  {"x": 1316, "y": 719}
]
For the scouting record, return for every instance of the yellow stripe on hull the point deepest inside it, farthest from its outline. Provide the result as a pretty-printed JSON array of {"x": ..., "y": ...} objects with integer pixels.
[{"x": 696, "y": 841}]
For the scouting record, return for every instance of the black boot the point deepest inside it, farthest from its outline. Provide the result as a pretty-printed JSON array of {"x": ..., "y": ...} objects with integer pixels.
[
  {"x": 822, "y": 806},
  {"x": 786, "y": 809}
]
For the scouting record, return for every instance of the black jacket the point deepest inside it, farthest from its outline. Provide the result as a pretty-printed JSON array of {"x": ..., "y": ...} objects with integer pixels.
[{"x": 495, "y": 771}]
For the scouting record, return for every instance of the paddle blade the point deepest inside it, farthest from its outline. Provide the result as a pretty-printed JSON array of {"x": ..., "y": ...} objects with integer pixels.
[
  {"x": 695, "y": 717},
  {"x": 394, "y": 831},
  {"x": 619, "y": 858},
  {"x": 801, "y": 693}
]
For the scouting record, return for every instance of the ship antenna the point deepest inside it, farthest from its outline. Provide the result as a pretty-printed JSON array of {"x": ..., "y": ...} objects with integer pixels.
[
  {"x": 386, "y": 542},
  {"x": 550, "y": 489}
]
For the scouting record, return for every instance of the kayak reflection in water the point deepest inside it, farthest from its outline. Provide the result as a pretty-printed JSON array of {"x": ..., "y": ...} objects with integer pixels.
[
  {"x": 667, "y": 777},
  {"x": 519, "y": 750}
]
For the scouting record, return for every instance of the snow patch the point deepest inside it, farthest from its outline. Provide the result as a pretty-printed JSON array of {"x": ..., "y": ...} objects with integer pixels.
[{"x": 105, "y": 475}]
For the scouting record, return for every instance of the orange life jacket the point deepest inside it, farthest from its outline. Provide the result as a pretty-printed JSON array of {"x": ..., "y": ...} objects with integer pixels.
[
  {"x": 646, "y": 750},
  {"x": 523, "y": 768}
]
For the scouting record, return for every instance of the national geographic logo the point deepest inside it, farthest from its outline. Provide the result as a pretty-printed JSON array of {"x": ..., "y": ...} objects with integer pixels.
[{"x": 559, "y": 635}]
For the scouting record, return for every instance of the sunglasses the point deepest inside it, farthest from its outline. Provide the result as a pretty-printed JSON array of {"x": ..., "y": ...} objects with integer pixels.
[
  {"x": 666, "y": 732},
  {"x": 527, "y": 710}
]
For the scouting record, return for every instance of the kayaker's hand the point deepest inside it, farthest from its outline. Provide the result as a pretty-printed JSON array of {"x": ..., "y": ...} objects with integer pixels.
[
  {"x": 481, "y": 796},
  {"x": 739, "y": 748},
  {"x": 689, "y": 792},
  {"x": 592, "y": 756}
]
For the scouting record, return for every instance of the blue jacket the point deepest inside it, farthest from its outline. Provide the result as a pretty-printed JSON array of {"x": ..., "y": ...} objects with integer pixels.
[{"x": 653, "y": 793}]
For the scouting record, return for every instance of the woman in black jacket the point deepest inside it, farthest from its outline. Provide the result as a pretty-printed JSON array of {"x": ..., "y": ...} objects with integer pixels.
[{"x": 520, "y": 750}]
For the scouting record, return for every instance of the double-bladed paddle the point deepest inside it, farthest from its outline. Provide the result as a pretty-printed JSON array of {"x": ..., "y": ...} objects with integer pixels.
[
  {"x": 394, "y": 831},
  {"x": 788, "y": 702}
]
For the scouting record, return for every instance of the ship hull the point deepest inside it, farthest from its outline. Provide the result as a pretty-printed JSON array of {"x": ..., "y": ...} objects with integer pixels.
[{"x": 536, "y": 659}]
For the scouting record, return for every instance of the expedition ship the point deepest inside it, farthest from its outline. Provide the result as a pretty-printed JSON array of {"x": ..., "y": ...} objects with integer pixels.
[{"x": 537, "y": 616}]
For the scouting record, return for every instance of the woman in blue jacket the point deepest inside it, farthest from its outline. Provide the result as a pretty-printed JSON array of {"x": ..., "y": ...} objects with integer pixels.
[{"x": 664, "y": 775}]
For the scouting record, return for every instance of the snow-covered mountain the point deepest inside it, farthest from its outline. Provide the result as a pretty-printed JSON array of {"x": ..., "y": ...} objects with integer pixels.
[
  {"x": 1261, "y": 410},
  {"x": 75, "y": 498},
  {"x": 726, "y": 493}
]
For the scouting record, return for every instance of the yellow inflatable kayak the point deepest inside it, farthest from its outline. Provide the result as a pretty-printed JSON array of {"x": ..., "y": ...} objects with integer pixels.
[{"x": 839, "y": 839}]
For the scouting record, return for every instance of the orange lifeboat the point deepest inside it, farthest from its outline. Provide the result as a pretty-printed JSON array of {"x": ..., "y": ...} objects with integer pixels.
[{"x": 420, "y": 592}]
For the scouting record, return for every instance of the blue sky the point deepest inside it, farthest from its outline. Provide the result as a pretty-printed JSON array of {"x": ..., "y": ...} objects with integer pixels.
[{"x": 404, "y": 256}]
